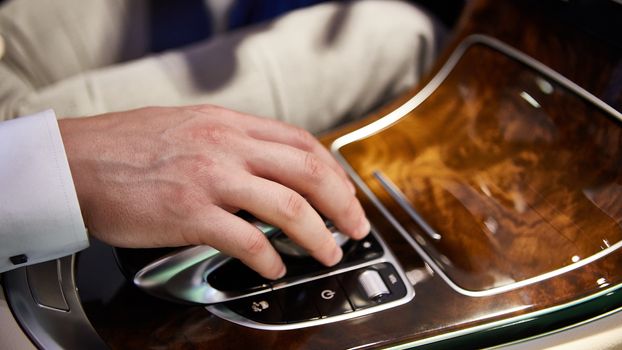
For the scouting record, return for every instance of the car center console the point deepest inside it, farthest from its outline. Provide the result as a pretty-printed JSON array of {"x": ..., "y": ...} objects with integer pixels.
[{"x": 494, "y": 192}]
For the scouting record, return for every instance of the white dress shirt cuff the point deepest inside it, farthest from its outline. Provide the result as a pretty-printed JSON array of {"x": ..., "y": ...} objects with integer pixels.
[{"x": 40, "y": 217}]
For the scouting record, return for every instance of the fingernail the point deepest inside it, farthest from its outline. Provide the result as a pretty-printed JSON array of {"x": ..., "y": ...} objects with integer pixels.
[
  {"x": 282, "y": 272},
  {"x": 364, "y": 227},
  {"x": 336, "y": 256}
]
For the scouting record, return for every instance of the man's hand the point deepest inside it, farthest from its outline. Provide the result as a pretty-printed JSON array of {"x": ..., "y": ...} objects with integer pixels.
[{"x": 157, "y": 177}]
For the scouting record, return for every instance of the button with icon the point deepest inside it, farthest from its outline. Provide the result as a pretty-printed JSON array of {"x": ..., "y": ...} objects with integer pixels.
[
  {"x": 329, "y": 298},
  {"x": 261, "y": 308}
]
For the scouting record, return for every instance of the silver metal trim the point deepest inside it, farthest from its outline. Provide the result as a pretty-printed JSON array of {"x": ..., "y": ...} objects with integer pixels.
[
  {"x": 516, "y": 319},
  {"x": 399, "y": 197},
  {"x": 372, "y": 284},
  {"x": 182, "y": 276},
  {"x": 224, "y": 312},
  {"x": 48, "y": 327},
  {"x": 391, "y": 118},
  {"x": 559, "y": 330}
]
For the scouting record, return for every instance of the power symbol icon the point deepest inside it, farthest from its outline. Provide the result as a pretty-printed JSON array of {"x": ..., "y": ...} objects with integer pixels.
[{"x": 327, "y": 294}]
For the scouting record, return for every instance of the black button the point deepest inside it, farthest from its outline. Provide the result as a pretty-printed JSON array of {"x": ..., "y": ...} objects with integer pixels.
[
  {"x": 262, "y": 308},
  {"x": 329, "y": 297},
  {"x": 364, "y": 250},
  {"x": 19, "y": 259},
  {"x": 357, "y": 295},
  {"x": 297, "y": 303}
]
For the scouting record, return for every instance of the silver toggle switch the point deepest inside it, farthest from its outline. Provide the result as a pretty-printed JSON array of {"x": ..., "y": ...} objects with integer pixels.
[{"x": 373, "y": 285}]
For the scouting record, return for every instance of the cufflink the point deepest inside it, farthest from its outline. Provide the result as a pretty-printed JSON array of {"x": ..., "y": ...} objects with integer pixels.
[
  {"x": 2, "y": 46},
  {"x": 19, "y": 259}
]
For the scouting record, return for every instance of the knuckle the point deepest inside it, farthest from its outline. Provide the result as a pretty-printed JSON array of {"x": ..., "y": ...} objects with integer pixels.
[
  {"x": 195, "y": 163},
  {"x": 213, "y": 134},
  {"x": 181, "y": 202},
  {"x": 293, "y": 207},
  {"x": 314, "y": 169},
  {"x": 197, "y": 170},
  {"x": 253, "y": 243}
]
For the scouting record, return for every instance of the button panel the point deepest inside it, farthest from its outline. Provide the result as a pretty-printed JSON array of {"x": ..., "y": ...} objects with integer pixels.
[
  {"x": 330, "y": 296},
  {"x": 367, "y": 280},
  {"x": 247, "y": 280}
]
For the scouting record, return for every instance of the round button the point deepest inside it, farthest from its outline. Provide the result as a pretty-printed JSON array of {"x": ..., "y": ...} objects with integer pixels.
[{"x": 2, "y": 46}]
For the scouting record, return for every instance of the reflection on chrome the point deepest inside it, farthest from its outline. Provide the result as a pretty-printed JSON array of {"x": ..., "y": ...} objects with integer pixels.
[
  {"x": 606, "y": 243},
  {"x": 491, "y": 224},
  {"x": 420, "y": 240},
  {"x": 484, "y": 187},
  {"x": 445, "y": 260},
  {"x": 527, "y": 97},
  {"x": 602, "y": 282},
  {"x": 418, "y": 275},
  {"x": 544, "y": 85},
  {"x": 399, "y": 197},
  {"x": 520, "y": 204}
]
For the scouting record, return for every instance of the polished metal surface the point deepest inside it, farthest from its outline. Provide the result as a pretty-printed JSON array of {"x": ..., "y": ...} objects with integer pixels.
[
  {"x": 399, "y": 197},
  {"x": 182, "y": 275},
  {"x": 50, "y": 327},
  {"x": 373, "y": 285}
]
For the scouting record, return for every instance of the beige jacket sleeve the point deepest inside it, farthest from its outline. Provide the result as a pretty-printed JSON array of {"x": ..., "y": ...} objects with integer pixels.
[{"x": 313, "y": 68}]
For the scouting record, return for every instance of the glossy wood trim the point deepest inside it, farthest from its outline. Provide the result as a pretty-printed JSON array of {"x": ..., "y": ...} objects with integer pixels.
[{"x": 375, "y": 145}]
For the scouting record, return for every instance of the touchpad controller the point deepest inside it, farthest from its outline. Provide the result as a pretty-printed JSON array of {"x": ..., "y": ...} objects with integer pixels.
[{"x": 367, "y": 279}]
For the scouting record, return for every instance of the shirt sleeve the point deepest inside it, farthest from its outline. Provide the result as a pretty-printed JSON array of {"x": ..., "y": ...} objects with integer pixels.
[{"x": 40, "y": 216}]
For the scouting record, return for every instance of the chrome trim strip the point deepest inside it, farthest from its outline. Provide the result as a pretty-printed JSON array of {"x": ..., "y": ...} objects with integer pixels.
[
  {"x": 400, "y": 198},
  {"x": 224, "y": 312},
  {"x": 563, "y": 329},
  {"x": 516, "y": 319},
  {"x": 181, "y": 276},
  {"x": 391, "y": 118}
]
